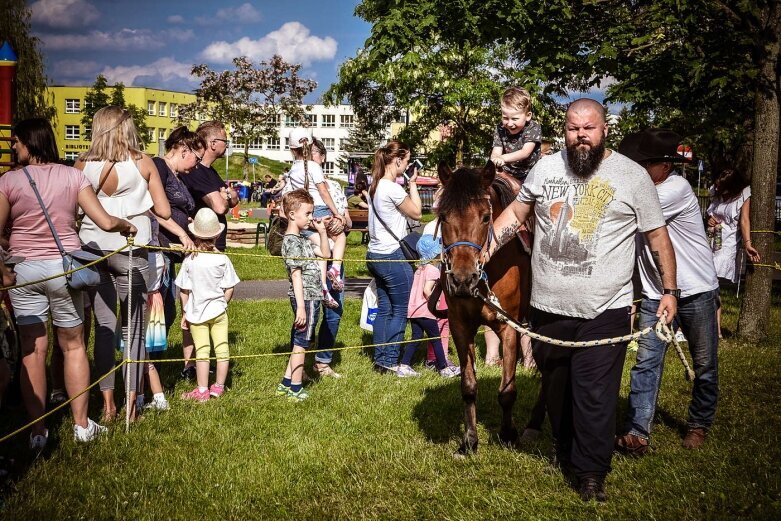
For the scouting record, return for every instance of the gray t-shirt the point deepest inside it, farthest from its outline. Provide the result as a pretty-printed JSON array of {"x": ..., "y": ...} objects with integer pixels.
[
  {"x": 584, "y": 239},
  {"x": 294, "y": 248},
  {"x": 531, "y": 133}
]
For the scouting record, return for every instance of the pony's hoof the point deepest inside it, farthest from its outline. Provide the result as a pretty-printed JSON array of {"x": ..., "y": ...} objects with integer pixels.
[
  {"x": 509, "y": 438},
  {"x": 465, "y": 449}
]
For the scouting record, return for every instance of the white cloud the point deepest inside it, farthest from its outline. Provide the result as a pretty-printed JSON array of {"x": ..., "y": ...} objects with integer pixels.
[
  {"x": 121, "y": 40},
  {"x": 162, "y": 71},
  {"x": 179, "y": 35},
  {"x": 64, "y": 14},
  {"x": 243, "y": 14},
  {"x": 175, "y": 19},
  {"x": 293, "y": 41},
  {"x": 74, "y": 69}
]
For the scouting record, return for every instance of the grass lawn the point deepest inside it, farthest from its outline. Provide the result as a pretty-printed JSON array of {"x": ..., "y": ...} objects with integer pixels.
[{"x": 376, "y": 447}]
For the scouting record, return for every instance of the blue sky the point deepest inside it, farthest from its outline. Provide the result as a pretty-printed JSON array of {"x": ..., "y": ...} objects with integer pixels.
[{"x": 154, "y": 43}]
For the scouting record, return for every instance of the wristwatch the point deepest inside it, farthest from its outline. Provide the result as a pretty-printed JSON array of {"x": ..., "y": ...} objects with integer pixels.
[{"x": 674, "y": 292}]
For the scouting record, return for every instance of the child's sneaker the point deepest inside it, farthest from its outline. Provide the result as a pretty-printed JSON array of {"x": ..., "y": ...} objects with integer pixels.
[
  {"x": 405, "y": 371},
  {"x": 39, "y": 441},
  {"x": 430, "y": 364},
  {"x": 334, "y": 275},
  {"x": 328, "y": 300},
  {"x": 450, "y": 371},
  {"x": 92, "y": 431},
  {"x": 215, "y": 391},
  {"x": 197, "y": 395},
  {"x": 57, "y": 396},
  {"x": 282, "y": 390},
  {"x": 158, "y": 404},
  {"x": 297, "y": 396}
]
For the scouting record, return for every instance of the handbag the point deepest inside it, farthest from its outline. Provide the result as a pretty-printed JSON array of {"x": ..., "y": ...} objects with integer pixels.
[
  {"x": 83, "y": 278},
  {"x": 408, "y": 244},
  {"x": 369, "y": 307}
]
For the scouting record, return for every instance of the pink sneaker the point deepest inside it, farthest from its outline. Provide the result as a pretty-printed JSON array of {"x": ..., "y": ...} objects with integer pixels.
[
  {"x": 215, "y": 391},
  {"x": 197, "y": 395}
]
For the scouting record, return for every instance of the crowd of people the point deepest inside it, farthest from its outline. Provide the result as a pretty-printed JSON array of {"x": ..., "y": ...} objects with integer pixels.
[{"x": 599, "y": 215}]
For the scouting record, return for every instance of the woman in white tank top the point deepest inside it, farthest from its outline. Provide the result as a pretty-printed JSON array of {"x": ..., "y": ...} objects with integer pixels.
[{"x": 127, "y": 185}]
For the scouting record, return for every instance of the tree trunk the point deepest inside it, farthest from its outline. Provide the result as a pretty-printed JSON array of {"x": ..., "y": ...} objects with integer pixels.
[{"x": 754, "y": 318}]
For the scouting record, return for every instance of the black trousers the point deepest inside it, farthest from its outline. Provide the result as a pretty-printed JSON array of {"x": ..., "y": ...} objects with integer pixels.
[{"x": 581, "y": 385}]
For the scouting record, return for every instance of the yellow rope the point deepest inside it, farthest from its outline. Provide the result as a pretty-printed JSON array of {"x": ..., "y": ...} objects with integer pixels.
[{"x": 266, "y": 256}]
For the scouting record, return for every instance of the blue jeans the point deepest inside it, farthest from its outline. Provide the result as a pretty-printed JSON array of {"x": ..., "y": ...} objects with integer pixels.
[
  {"x": 697, "y": 318},
  {"x": 394, "y": 282},
  {"x": 329, "y": 327}
]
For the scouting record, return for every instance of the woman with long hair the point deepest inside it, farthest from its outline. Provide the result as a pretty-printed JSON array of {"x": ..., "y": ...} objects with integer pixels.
[
  {"x": 62, "y": 190},
  {"x": 389, "y": 208},
  {"x": 729, "y": 226},
  {"x": 128, "y": 185}
]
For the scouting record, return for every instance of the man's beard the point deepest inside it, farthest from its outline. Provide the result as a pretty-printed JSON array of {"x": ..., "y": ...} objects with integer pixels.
[{"x": 585, "y": 162}]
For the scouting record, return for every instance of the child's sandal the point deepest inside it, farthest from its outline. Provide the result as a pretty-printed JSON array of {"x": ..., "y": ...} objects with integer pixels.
[
  {"x": 328, "y": 300},
  {"x": 334, "y": 276}
]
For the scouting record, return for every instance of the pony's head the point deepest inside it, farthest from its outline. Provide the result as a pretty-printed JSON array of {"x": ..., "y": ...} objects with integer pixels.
[{"x": 465, "y": 215}]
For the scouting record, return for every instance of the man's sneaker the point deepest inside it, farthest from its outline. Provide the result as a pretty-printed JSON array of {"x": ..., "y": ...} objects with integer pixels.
[
  {"x": 694, "y": 438},
  {"x": 188, "y": 373},
  {"x": 431, "y": 364},
  {"x": 57, "y": 396},
  {"x": 450, "y": 371},
  {"x": 631, "y": 445},
  {"x": 325, "y": 370},
  {"x": 158, "y": 404},
  {"x": 197, "y": 395},
  {"x": 89, "y": 433},
  {"x": 405, "y": 371},
  {"x": 679, "y": 336},
  {"x": 297, "y": 396},
  {"x": 215, "y": 391},
  {"x": 282, "y": 390},
  {"x": 38, "y": 442}
]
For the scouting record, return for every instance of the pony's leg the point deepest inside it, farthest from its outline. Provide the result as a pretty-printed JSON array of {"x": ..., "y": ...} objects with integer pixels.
[
  {"x": 465, "y": 345},
  {"x": 508, "y": 434}
]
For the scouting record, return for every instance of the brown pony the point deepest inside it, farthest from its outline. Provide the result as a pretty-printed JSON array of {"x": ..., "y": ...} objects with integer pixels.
[{"x": 471, "y": 199}]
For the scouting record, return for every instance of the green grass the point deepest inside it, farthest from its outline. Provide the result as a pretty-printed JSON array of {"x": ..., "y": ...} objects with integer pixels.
[
  {"x": 375, "y": 447},
  {"x": 236, "y": 167}
]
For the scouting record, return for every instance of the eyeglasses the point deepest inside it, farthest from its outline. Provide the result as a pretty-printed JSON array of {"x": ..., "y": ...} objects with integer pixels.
[
  {"x": 198, "y": 158},
  {"x": 226, "y": 141}
]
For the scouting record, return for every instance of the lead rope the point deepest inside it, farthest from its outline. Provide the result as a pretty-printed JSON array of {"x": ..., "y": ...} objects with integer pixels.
[{"x": 127, "y": 335}]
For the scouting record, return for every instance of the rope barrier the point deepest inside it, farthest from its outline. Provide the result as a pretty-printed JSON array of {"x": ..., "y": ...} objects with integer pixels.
[
  {"x": 266, "y": 256},
  {"x": 128, "y": 329},
  {"x": 65, "y": 273},
  {"x": 767, "y": 231},
  {"x": 61, "y": 406}
]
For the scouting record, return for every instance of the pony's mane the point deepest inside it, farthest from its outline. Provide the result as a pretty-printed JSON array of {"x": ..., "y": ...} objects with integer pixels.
[{"x": 466, "y": 185}]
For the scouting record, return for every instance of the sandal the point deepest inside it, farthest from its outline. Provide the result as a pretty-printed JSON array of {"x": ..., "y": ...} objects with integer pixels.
[
  {"x": 334, "y": 276},
  {"x": 328, "y": 300}
]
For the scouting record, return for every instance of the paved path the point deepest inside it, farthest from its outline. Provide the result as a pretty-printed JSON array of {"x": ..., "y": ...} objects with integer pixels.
[{"x": 258, "y": 289}]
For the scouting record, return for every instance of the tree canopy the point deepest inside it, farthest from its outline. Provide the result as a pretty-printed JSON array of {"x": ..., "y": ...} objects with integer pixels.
[{"x": 96, "y": 98}]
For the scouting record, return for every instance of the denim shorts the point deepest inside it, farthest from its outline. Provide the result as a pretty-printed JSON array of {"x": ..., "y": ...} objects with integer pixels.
[
  {"x": 304, "y": 336},
  {"x": 320, "y": 211},
  {"x": 33, "y": 304}
]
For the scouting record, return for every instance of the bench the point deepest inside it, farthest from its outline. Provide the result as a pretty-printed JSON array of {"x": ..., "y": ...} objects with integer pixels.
[
  {"x": 360, "y": 219},
  {"x": 263, "y": 213}
]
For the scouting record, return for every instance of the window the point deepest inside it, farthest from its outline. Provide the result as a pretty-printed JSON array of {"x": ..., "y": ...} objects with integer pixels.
[
  {"x": 329, "y": 143},
  {"x": 273, "y": 143},
  {"x": 256, "y": 145},
  {"x": 287, "y": 143},
  {"x": 72, "y": 106},
  {"x": 328, "y": 167},
  {"x": 343, "y": 143},
  {"x": 152, "y": 135},
  {"x": 311, "y": 119},
  {"x": 346, "y": 120},
  {"x": 162, "y": 108},
  {"x": 329, "y": 120},
  {"x": 275, "y": 119},
  {"x": 150, "y": 108},
  {"x": 88, "y": 104},
  {"x": 161, "y": 134},
  {"x": 72, "y": 132},
  {"x": 71, "y": 156},
  {"x": 88, "y": 132},
  {"x": 174, "y": 110},
  {"x": 291, "y": 121}
]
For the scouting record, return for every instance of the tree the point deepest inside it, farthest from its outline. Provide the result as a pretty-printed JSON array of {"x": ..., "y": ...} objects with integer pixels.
[
  {"x": 31, "y": 96},
  {"x": 360, "y": 138},
  {"x": 250, "y": 99},
  {"x": 96, "y": 98}
]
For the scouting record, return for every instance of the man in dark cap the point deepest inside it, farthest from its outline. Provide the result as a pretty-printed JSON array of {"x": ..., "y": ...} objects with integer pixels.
[{"x": 656, "y": 150}]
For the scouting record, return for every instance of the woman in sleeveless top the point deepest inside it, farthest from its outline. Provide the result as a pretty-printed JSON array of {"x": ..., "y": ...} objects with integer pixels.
[
  {"x": 127, "y": 185},
  {"x": 62, "y": 189}
]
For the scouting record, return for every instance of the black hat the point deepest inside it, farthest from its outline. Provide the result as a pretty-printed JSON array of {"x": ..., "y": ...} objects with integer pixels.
[{"x": 652, "y": 145}]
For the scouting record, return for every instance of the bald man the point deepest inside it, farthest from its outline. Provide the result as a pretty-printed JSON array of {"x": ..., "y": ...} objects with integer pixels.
[{"x": 588, "y": 202}]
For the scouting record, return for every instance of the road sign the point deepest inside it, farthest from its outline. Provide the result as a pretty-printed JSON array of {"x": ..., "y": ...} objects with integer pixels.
[{"x": 252, "y": 160}]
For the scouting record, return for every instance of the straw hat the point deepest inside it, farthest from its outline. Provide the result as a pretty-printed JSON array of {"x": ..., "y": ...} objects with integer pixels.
[{"x": 206, "y": 225}]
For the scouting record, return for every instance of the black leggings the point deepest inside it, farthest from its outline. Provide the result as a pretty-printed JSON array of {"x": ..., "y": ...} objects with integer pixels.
[{"x": 430, "y": 326}]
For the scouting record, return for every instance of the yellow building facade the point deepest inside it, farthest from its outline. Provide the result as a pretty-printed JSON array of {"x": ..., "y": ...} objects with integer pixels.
[{"x": 162, "y": 107}]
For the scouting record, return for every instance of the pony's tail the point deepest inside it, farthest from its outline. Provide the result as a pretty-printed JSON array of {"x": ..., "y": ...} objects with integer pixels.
[{"x": 433, "y": 299}]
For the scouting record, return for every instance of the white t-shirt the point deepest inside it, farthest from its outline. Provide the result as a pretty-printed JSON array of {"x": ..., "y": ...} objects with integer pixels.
[
  {"x": 693, "y": 257},
  {"x": 584, "y": 239},
  {"x": 206, "y": 276},
  {"x": 387, "y": 198},
  {"x": 295, "y": 179}
]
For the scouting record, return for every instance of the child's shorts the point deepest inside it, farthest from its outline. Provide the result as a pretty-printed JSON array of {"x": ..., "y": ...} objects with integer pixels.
[
  {"x": 304, "y": 336},
  {"x": 319, "y": 212}
]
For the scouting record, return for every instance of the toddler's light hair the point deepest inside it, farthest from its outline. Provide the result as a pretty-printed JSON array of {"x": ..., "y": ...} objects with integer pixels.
[{"x": 517, "y": 98}]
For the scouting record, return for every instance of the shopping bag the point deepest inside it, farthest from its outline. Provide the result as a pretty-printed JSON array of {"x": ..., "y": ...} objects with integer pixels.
[{"x": 369, "y": 307}]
